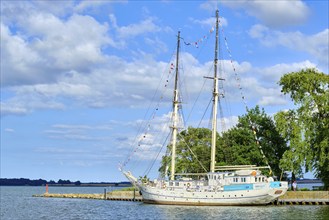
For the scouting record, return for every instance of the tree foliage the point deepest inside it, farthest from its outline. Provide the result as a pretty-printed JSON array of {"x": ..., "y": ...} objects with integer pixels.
[
  {"x": 306, "y": 128},
  {"x": 247, "y": 151},
  {"x": 236, "y": 146},
  {"x": 196, "y": 140}
]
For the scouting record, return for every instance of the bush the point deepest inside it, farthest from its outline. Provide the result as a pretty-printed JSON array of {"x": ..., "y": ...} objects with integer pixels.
[{"x": 304, "y": 189}]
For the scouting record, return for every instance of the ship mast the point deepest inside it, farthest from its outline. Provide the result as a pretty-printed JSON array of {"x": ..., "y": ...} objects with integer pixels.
[
  {"x": 175, "y": 115},
  {"x": 215, "y": 103}
]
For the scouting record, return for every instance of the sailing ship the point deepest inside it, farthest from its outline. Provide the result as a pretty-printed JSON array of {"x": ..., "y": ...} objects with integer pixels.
[{"x": 223, "y": 185}]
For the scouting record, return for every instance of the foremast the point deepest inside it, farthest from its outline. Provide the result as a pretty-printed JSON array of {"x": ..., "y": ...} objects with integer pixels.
[{"x": 175, "y": 114}]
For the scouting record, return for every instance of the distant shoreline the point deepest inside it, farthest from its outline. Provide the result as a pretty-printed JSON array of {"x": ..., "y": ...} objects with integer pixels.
[
  {"x": 93, "y": 185},
  {"x": 66, "y": 183}
]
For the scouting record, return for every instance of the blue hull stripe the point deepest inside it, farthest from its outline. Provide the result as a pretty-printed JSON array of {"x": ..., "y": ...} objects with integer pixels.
[
  {"x": 275, "y": 184},
  {"x": 238, "y": 187}
]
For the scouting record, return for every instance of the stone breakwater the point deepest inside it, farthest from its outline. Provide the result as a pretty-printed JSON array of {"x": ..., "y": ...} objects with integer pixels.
[
  {"x": 115, "y": 195},
  {"x": 290, "y": 198}
]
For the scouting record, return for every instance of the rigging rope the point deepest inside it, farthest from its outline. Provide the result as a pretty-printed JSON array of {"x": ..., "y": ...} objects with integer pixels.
[
  {"x": 237, "y": 78},
  {"x": 153, "y": 162},
  {"x": 147, "y": 125}
]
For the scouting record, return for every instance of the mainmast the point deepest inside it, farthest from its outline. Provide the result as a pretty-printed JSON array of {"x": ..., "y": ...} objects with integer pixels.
[
  {"x": 175, "y": 115},
  {"x": 215, "y": 103}
]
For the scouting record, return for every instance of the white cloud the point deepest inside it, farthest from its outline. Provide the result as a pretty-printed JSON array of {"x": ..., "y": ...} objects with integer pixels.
[
  {"x": 210, "y": 22},
  {"x": 12, "y": 110},
  {"x": 82, "y": 127},
  {"x": 133, "y": 30},
  {"x": 56, "y": 59},
  {"x": 272, "y": 100},
  {"x": 273, "y": 13},
  {"x": 50, "y": 47},
  {"x": 139, "y": 79},
  {"x": 59, "y": 8},
  {"x": 10, "y": 130},
  {"x": 158, "y": 45},
  {"x": 57, "y": 150},
  {"x": 79, "y": 132},
  {"x": 119, "y": 83},
  {"x": 84, "y": 5},
  {"x": 18, "y": 60},
  {"x": 266, "y": 88},
  {"x": 316, "y": 45},
  {"x": 272, "y": 74},
  {"x": 209, "y": 5}
]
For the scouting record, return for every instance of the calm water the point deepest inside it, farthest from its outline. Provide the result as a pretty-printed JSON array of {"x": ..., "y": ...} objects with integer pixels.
[{"x": 18, "y": 203}]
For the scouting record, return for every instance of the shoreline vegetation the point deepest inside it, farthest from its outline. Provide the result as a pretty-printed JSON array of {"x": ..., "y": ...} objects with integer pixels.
[{"x": 60, "y": 182}]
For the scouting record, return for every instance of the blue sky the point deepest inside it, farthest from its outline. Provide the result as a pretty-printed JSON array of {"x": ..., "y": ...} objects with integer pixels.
[{"x": 78, "y": 77}]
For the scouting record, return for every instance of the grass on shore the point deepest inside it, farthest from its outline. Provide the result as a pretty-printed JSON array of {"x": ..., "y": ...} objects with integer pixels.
[{"x": 132, "y": 188}]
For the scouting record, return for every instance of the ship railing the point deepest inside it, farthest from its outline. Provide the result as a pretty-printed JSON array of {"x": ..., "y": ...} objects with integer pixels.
[
  {"x": 240, "y": 167},
  {"x": 191, "y": 174}
]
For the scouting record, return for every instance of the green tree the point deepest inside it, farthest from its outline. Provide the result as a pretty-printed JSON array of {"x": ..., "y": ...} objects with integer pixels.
[
  {"x": 196, "y": 140},
  {"x": 306, "y": 128},
  {"x": 242, "y": 141},
  {"x": 293, "y": 159}
]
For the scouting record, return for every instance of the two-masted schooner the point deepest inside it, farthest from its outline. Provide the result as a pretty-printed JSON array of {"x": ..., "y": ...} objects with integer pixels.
[{"x": 224, "y": 185}]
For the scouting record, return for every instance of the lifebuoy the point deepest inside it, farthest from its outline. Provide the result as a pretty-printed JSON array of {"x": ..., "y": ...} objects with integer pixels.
[{"x": 188, "y": 185}]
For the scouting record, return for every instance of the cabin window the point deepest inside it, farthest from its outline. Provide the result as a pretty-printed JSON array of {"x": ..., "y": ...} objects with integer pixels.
[
  {"x": 243, "y": 179},
  {"x": 177, "y": 184},
  {"x": 255, "y": 179},
  {"x": 170, "y": 183},
  {"x": 263, "y": 179}
]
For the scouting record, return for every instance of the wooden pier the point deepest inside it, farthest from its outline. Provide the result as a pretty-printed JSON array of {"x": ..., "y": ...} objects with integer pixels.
[
  {"x": 290, "y": 198},
  {"x": 303, "y": 198}
]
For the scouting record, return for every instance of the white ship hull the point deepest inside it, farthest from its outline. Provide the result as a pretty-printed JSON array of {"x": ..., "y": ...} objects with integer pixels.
[{"x": 211, "y": 198}]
